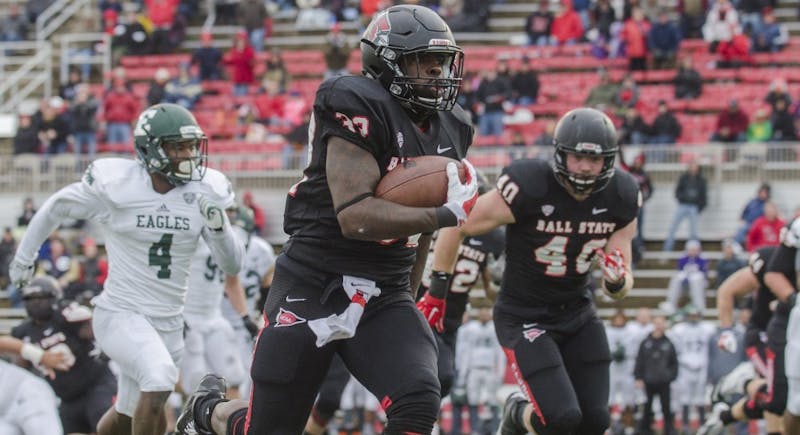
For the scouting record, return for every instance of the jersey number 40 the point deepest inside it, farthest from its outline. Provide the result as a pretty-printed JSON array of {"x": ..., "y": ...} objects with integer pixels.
[{"x": 554, "y": 255}]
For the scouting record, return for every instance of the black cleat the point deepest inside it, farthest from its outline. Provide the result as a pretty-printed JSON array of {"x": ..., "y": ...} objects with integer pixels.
[
  {"x": 211, "y": 386},
  {"x": 507, "y": 424}
]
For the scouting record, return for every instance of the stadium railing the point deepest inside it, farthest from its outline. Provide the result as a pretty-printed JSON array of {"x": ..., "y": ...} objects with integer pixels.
[{"x": 721, "y": 163}]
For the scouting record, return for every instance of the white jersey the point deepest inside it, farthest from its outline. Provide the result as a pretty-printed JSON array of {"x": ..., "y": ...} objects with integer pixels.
[
  {"x": 624, "y": 340},
  {"x": 150, "y": 237},
  {"x": 206, "y": 285},
  {"x": 638, "y": 332},
  {"x": 691, "y": 344},
  {"x": 477, "y": 348},
  {"x": 258, "y": 260}
]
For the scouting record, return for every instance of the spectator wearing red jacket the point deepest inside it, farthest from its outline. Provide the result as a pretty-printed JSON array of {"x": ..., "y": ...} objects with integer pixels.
[
  {"x": 258, "y": 213},
  {"x": 241, "y": 58},
  {"x": 736, "y": 52},
  {"x": 766, "y": 229},
  {"x": 731, "y": 124},
  {"x": 634, "y": 36},
  {"x": 162, "y": 14},
  {"x": 120, "y": 108},
  {"x": 567, "y": 26}
]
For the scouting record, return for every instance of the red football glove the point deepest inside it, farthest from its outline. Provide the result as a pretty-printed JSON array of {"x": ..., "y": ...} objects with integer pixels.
[{"x": 433, "y": 310}]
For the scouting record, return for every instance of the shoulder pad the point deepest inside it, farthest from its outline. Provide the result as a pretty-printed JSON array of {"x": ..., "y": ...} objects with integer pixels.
[
  {"x": 219, "y": 188},
  {"x": 108, "y": 171},
  {"x": 354, "y": 108},
  {"x": 790, "y": 235},
  {"x": 461, "y": 115},
  {"x": 628, "y": 197},
  {"x": 523, "y": 183}
]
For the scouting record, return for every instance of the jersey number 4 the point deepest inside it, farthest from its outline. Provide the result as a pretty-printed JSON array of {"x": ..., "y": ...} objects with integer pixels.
[
  {"x": 160, "y": 257},
  {"x": 554, "y": 255}
]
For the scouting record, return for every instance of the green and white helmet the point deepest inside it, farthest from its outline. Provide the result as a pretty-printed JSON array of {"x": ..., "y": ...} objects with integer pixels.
[{"x": 164, "y": 124}]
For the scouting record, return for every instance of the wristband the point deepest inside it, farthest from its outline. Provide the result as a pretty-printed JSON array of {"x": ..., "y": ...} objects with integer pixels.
[
  {"x": 614, "y": 288},
  {"x": 31, "y": 353},
  {"x": 445, "y": 217},
  {"x": 440, "y": 283}
]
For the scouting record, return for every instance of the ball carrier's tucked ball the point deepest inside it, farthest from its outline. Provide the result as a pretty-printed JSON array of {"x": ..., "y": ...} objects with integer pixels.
[{"x": 418, "y": 181}]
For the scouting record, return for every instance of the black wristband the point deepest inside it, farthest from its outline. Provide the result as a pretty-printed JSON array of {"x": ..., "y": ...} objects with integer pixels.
[
  {"x": 792, "y": 300},
  {"x": 445, "y": 217},
  {"x": 440, "y": 283},
  {"x": 614, "y": 288}
]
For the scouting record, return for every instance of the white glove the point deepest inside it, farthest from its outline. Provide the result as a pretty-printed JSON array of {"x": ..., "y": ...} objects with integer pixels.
[
  {"x": 212, "y": 213},
  {"x": 75, "y": 312},
  {"x": 20, "y": 273},
  {"x": 613, "y": 266},
  {"x": 461, "y": 197},
  {"x": 727, "y": 341}
]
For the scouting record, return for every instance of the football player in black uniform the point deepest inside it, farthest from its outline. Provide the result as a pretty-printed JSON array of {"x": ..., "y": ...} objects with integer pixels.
[
  {"x": 87, "y": 389},
  {"x": 349, "y": 251},
  {"x": 768, "y": 397},
  {"x": 560, "y": 218}
]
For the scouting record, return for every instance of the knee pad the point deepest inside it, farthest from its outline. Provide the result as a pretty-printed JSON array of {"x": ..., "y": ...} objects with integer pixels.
[
  {"x": 413, "y": 413},
  {"x": 236, "y": 422},
  {"x": 567, "y": 421}
]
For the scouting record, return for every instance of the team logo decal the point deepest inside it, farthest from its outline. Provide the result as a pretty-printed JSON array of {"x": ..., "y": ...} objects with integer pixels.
[
  {"x": 531, "y": 332},
  {"x": 548, "y": 209},
  {"x": 287, "y": 318},
  {"x": 588, "y": 147},
  {"x": 379, "y": 30},
  {"x": 189, "y": 197},
  {"x": 400, "y": 139}
]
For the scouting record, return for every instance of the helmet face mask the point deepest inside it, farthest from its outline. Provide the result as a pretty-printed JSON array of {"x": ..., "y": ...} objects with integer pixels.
[
  {"x": 170, "y": 143},
  {"x": 412, "y": 53},
  {"x": 40, "y": 297},
  {"x": 585, "y": 132}
]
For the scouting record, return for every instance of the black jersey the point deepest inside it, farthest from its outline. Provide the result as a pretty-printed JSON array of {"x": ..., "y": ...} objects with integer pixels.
[
  {"x": 783, "y": 261},
  {"x": 86, "y": 371},
  {"x": 551, "y": 246},
  {"x": 764, "y": 297},
  {"x": 473, "y": 257},
  {"x": 359, "y": 110}
]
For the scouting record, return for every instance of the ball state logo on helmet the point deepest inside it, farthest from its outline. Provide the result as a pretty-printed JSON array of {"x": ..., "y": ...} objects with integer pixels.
[{"x": 379, "y": 31}]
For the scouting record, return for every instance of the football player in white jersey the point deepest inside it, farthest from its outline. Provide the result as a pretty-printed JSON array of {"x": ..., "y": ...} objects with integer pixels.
[
  {"x": 209, "y": 334},
  {"x": 623, "y": 342},
  {"x": 152, "y": 211},
  {"x": 256, "y": 274},
  {"x": 691, "y": 343},
  {"x": 28, "y": 406},
  {"x": 480, "y": 367}
]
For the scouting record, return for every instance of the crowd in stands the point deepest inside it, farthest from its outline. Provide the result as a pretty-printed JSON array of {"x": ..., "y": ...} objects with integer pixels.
[{"x": 501, "y": 100}]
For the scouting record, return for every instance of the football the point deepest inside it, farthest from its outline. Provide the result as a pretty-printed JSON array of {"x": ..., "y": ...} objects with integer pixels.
[{"x": 418, "y": 181}]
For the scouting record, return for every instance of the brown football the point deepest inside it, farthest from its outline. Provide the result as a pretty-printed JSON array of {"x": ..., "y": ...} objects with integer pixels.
[{"x": 418, "y": 181}]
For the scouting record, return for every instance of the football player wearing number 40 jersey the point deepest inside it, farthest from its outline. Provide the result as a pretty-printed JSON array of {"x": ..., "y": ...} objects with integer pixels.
[
  {"x": 343, "y": 283},
  {"x": 152, "y": 211},
  {"x": 559, "y": 219}
]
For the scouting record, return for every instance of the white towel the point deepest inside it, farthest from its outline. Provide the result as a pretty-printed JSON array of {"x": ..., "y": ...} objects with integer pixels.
[{"x": 337, "y": 327}]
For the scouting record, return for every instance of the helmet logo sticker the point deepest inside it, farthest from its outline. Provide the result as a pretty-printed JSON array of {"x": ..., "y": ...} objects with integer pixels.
[
  {"x": 548, "y": 209},
  {"x": 189, "y": 197},
  {"x": 440, "y": 42},
  {"x": 400, "y": 139},
  {"x": 381, "y": 26},
  {"x": 588, "y": 147},
  {"x": 190, "y": 131}
]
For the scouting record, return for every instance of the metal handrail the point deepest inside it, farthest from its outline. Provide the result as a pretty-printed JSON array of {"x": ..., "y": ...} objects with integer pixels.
[
  {"x": 103, "y": 59},
  {"x": 10, "y": 93},
  {"x": 60, "y": 12}
]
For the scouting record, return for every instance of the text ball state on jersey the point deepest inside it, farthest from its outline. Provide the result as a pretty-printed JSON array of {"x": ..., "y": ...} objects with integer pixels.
[{"x": 418, "y": 181}]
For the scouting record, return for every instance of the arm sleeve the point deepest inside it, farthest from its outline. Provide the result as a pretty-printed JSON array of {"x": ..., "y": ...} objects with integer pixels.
[
  {"x": 77, "y": 201},
  {"x": 226, "y": 248}
]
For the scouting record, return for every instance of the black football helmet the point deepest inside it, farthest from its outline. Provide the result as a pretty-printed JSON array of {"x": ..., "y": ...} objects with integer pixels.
[
  {"x": 395, "y": 41},
  {"x": 163, "y": 124},
  {"x": 590, "y": 132},
  {"x": 41, "y": 296}
]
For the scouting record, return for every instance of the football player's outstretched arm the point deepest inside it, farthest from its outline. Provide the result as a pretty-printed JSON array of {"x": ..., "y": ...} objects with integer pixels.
[
  {"x": 235, "y": 293},
  {"x": 353, "y": 174},
  {"x": 75, "y": 201},
  {"x": 490, "y": 212},
  {"x": 740, "y": 283},
  {"x": 226, "y": 248}
]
